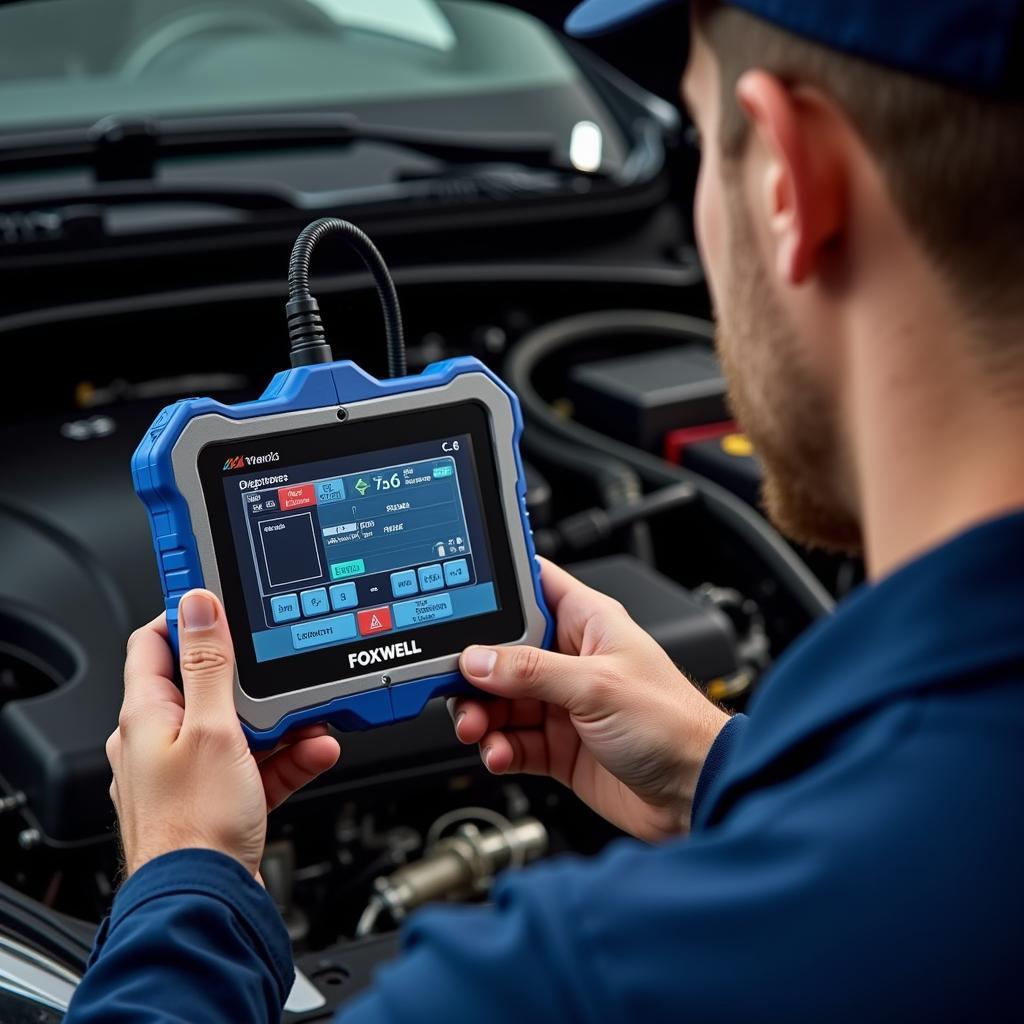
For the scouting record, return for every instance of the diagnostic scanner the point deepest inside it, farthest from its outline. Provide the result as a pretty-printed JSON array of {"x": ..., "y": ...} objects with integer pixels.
[{"x": 360, "y": 532}]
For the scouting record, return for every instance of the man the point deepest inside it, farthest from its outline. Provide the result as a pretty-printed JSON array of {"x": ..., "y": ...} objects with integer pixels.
[{"x": 855, "y": 842}]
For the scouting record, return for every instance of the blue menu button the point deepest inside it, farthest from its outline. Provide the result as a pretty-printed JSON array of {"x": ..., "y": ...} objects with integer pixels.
[
  {"x": 456, "y": 572},
  {"x": 431, "y": 577},
  {"x": 404, "y": 583},
  {"x": 323, "y": 631},
  {"x": 421, "y": 610},
  {"x": 330, "y": 491},
  {"x": 343, "y": 595},
  {"x": 285, "y": 607},
  {"x": 314, "y": 602}
]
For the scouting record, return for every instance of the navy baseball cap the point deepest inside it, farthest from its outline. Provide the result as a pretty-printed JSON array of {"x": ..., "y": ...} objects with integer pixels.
[{"x": 977, "y": 45}]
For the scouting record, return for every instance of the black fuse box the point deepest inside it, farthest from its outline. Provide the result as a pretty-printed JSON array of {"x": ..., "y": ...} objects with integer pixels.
[{"x": 639, "y": 398}]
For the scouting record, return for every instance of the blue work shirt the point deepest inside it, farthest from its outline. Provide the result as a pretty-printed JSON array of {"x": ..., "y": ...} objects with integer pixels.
[{"x": 855, "y": 856}]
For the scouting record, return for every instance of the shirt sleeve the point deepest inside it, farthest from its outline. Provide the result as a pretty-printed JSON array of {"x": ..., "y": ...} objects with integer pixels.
[
  {"x": 191, "y": 937},
  {"x": 715, "y": 762}
]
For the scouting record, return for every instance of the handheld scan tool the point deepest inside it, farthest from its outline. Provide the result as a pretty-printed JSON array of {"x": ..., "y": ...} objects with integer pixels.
[{"x": 360, "y": 532}]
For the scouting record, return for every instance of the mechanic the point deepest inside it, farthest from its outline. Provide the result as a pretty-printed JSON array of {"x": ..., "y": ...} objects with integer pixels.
[{"x": 854, "y": 844}]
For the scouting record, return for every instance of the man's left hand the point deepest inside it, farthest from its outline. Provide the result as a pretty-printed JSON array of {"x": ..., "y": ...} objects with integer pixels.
[{"x": 184, "y": 776}]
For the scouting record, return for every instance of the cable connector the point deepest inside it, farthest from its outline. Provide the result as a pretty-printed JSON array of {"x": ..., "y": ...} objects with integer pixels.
[
  {"x": 306, "y": 333},
  {"x": 594, "y": 525}
]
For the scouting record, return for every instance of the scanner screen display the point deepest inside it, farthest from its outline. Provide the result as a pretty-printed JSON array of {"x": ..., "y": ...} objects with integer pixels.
[
  {"x": 362, "y": 546},
  {"x": 359, "y": 556}
]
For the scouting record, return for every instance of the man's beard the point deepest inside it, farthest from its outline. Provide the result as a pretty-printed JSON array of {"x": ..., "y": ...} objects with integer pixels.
[{"x": 790, "y": 419}]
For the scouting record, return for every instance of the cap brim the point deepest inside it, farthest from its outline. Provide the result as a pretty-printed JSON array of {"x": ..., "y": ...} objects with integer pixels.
[{"x": 594, "y": 17}]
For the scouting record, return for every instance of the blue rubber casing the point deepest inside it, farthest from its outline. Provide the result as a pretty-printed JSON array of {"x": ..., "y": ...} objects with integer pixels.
[{"x": 308, "y": 387}]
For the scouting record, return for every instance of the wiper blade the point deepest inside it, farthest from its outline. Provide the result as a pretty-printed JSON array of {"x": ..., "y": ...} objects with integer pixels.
[{"x": 124, "y": 149}]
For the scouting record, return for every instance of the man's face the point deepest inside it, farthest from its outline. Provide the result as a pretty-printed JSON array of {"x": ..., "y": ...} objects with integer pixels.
[{"x": 779, "y": 391}]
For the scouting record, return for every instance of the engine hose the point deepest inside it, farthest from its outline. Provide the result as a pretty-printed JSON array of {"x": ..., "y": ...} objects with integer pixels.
[
  {"x": 617, "y": 485},
  {"x": 731, "y": 512}
]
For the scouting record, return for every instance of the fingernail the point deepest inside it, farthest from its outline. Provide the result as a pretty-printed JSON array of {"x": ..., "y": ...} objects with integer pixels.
[
  {"x": 479, "y": 661},
  {"x": 197, "y": 611},
  {"x": 487, "y": 758},
  {"x": 458, "y": 719}
]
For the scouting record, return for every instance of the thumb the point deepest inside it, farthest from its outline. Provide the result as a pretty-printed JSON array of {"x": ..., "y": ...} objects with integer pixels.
[
  {"x": 207, "y": 658},
  {"x": 517, "y": 672}
]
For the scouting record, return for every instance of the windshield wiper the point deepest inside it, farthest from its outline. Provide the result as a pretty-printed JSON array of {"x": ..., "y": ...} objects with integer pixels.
[{"x": 129, "y": 148}]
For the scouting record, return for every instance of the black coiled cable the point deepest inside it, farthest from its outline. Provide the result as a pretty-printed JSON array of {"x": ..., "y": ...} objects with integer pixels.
[{"x": 305, "y": 327}]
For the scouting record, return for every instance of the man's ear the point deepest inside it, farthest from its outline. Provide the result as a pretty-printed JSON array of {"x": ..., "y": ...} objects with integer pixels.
[{"x": 799, "y": 184}]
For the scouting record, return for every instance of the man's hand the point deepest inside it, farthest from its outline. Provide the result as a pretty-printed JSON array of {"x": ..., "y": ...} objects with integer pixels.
[
  {"x": 610, "y": 716},
  {"x": 183, "y": 774}
]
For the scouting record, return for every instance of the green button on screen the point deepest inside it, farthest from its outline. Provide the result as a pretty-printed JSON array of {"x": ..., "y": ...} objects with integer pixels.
[{"x": 342, "y": 570}]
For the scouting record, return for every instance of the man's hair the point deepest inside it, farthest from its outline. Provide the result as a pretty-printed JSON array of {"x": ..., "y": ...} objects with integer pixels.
[{"x": 953, "y": 161}]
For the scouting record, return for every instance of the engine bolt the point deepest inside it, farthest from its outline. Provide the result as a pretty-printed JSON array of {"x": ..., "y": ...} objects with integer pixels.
[{"x": 29, "y": 838}]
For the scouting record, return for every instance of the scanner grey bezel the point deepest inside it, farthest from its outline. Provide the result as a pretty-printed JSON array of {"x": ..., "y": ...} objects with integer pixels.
[{"x": 264, "y": 713}]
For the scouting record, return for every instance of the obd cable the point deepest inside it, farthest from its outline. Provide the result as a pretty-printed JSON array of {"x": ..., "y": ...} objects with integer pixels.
[{"x": 305, "y": 326}]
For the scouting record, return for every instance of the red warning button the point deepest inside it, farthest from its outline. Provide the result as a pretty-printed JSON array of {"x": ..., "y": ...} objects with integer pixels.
[
  {"x": 374, "y": 620},
  {"x": 296, "y": 497}
]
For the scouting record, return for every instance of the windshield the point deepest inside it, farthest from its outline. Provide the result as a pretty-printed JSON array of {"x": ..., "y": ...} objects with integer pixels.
[{"x": 68, "y": 62}]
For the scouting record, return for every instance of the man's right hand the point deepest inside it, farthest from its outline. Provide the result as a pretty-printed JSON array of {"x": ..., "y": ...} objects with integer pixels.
[{"x": 610, "y": 716}]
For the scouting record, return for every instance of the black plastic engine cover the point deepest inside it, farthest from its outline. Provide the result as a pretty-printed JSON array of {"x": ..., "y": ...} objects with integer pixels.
[{"x": 700, "y": 639}]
